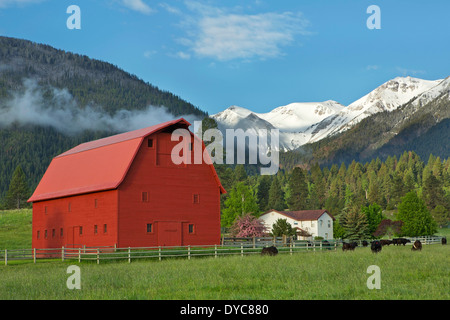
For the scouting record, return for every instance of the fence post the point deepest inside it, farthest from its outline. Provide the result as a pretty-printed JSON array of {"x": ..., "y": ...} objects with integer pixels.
[
  {"x": 254, "y": 242},
  {"x": 34, "y": 255},
  {"x": 129, "y": 255},
  {"x": 98, "y": 256},
  {"x": 242, "y": 249},
  {"x": 215, "y": 251},
  {"x": 159, "y": 253},
  {"x": 79, "y": 254},
  {"x": 62, "y": 253},
  {"x": 189, "y": 252},
  {"x": 321, "y": 245},
  {"x": 314, "y": 246}
]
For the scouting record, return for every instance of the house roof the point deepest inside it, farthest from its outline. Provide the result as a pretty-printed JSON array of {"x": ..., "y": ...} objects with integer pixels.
[
  {"x": 304, "y": 215},
  {"x": 97, "y": 165}
]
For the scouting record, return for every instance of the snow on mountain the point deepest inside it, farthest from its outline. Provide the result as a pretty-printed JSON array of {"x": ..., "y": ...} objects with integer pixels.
[
  {"x": 301, "y": 123},
  {"x": 387, "y": 97},
  {"x": 443, "y": 88}
]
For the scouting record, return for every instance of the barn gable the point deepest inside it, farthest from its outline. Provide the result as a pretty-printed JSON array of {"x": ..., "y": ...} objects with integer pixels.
[{"x": 97, "y": 165}]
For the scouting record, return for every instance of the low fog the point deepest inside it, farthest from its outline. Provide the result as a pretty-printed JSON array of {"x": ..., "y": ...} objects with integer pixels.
[{"x": 29, "y": 107}]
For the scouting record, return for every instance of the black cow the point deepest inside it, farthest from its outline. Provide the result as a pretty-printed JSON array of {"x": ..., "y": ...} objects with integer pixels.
[
  {"x": 444, "y": 240},
  {"x": 376, "y": 246},
  {"x": 271, "y": 251},
  {"x": 349, "y": 246},
  {"x": 417, "y": 245},
  {"x": 326, "y": 245},
  {"x": 400, "y": 241},
  {"x": 385, "y": 242},
  {"x": 365, "y": 243}
]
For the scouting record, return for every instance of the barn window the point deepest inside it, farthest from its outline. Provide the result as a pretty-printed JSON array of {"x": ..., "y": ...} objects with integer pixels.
[
  {"x": 81, "y": 230},
  {"x": 53, "y": 233},
  {"x": 149, "y": 228},
  {"x": 150, "y": 143},
  {"x": 105, "y": 228},
  {"x": 196, "y": 198},
  {"x": 38, "y": 234},
  {"x": 329, "y": 224},
  {"x": 45, "y": 234},
  {"x": 145, "y": 196},
  {"x": 95, "y": 229},
  {"x": 191, "y": 228},
  {"x": 61, "y": 232}
]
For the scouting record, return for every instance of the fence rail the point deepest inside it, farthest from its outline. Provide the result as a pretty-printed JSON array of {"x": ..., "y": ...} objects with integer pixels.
[{"x": 229, "y": 246}]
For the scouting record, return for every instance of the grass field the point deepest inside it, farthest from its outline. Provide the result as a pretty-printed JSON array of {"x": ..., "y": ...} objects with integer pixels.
[
  {"x": 308, "y": 275},
  {"x": 321, "y": 275}
]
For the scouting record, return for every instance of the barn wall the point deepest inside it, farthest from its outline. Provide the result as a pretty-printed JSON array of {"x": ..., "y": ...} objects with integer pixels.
[
  {"x": 84, "y": 211},
  {"x": 170, "y": 207}
]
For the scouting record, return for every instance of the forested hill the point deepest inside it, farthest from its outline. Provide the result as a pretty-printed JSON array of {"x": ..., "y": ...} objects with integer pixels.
[
  {"x": 88, "y": 80},
  {"x": 52, "y": 100}
]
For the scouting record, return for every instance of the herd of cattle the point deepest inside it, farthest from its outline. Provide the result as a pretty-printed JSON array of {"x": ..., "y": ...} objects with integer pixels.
[{"x": 375, "y": 245}]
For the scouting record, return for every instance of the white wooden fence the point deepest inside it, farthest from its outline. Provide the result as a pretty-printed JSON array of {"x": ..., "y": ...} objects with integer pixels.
[{"x": 229, "y": 246}]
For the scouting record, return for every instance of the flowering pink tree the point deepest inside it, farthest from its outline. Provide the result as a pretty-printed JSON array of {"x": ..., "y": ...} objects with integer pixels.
[{"x": 248, "y": 226}]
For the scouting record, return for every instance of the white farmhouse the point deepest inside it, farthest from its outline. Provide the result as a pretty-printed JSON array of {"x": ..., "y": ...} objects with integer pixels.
[{"x": 318, "y": 223}]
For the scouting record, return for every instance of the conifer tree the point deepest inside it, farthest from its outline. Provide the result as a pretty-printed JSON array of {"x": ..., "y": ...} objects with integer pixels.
[
  {"x": 18, "y": 193},
  {"x": 298, "y": 190},
  {"x": 276, "y": 195}
]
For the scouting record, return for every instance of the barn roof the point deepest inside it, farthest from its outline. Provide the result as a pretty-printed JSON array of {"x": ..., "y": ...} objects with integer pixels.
[
  {"x": 97, "y": 165},
  {"x": 303, "y": 215}
]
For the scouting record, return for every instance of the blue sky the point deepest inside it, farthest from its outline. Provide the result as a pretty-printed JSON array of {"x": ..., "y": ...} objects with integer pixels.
[{"x": 256, "y": 54}]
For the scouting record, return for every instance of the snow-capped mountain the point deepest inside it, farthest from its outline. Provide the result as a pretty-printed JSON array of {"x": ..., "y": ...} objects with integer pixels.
[{"x": 301, "y": 123}]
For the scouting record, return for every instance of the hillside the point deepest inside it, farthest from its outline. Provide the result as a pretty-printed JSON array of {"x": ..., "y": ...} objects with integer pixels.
[{"x": 52, "y": 100}]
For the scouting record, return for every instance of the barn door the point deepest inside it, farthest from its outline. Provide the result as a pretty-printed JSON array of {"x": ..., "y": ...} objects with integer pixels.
[{"x": 169, "y": 234}]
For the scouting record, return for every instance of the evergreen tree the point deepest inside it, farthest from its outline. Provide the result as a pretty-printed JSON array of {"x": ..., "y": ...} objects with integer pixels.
[
  {"x": 276, "y": 195},
  {"x": 374, "y": 216},
  {"x": 298, "y": 190},
  {"x": 417, "y": 220},
  {"x": 355, "y": 224},
  {"x": 441, "y": 216},
  {"x": 433, "y": 193},
  {"x": 282, "y": 227},
  {"x": 262, "y": 195},
  {"x": 18, "y": 192},
  {"x": 240, "y": 175}
]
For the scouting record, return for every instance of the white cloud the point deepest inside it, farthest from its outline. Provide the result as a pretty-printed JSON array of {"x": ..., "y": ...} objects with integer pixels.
[
  {"x": 183, "y": 55},
  {"x": 138, "y": 5},
  {"x": 407, "y": 72},
  {"x": 372, "y": 67},
  {"x": 224, "y": 35}
]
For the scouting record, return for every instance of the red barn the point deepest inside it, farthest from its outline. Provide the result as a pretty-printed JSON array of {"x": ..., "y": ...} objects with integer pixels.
[{"x": 124, "y": 190}]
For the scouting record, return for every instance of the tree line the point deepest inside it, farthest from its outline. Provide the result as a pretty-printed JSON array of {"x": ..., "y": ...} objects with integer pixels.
[{"x": 403, "y": 196}]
